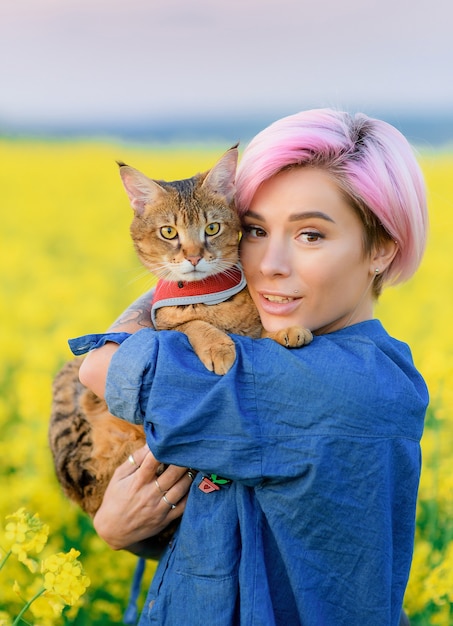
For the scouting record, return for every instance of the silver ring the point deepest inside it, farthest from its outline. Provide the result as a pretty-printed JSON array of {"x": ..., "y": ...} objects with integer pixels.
[
  {"x": 164, "y": 498},
  {"x": 191, "y": 474},
  {"x": 158, "y": 486},
  {"x": 131, "y": 459}
]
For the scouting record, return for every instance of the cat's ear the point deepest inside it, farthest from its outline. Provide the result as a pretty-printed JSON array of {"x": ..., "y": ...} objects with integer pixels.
[
  {"x": 140, "y": 189},
  {"x": 220, "y": 179}
]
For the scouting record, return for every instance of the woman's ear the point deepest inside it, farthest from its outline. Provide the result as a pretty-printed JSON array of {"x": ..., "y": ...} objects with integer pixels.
[{"x": 383, "y": 255}]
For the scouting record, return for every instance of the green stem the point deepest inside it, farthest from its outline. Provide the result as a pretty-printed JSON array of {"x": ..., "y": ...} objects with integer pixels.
[
  {"x": 8, "y": 554},
  {"x": 27, "y": 606}
]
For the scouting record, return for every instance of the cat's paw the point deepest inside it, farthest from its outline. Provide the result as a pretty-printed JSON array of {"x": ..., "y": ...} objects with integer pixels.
[
  {"x": 218, "y": 357},
  {"x": 291, "y": 337},
  {"x": 214, "y": 348}
]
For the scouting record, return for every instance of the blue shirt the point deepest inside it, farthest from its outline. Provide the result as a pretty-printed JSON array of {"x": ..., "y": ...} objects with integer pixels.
[{"x": 322, "y": 447}]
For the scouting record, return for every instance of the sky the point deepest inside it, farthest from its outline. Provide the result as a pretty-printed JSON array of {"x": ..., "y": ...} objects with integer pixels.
[{"x": 66, "y": 61}]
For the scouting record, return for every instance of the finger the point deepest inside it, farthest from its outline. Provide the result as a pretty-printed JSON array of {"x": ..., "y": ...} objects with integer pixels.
[
  {"x": 170, "y": 477},
  {"x": 135, "y": 461},
  {"x": 168, "y": 502},
  {"x": 179, "y": 490},
  {"x": 171, "y": 508},
  {"x": 142, "y": 453},
  {"x": 149, "y": 462}
]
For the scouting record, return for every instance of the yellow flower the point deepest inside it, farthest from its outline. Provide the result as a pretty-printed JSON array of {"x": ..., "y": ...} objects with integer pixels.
[
  {"x": 16, "y": 588},
  {"x": 5, "y": 620},
  {"x": 64, "y": 577},
  {"x": 26, "y": 535}
]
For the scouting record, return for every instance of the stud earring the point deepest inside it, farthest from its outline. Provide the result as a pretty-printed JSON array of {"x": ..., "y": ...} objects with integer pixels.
[{"x": 376, "y": 271}]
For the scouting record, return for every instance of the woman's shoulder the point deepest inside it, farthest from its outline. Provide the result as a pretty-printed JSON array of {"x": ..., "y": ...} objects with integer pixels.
[
  {"x": 373, "y": 372},
  {"x": 367, "y": 336},
  {"x": 350, "y": 342},
  {"x": 371, "y": 342}
]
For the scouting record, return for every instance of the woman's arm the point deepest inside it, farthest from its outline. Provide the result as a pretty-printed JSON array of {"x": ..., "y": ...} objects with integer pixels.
[
  {"x": 93, "y": 371},
  {"x": 133, "y": 509},
  {"x": 136, "y": 316}
]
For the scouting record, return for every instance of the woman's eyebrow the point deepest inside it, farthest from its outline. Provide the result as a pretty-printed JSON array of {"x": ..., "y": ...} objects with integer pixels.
[
  {"x": 295, "y": 217},
  {"x": 255, "y": 216}
]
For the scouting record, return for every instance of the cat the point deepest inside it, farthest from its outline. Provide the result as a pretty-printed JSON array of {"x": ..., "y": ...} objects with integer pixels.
[{"x": 186, "y": 233}]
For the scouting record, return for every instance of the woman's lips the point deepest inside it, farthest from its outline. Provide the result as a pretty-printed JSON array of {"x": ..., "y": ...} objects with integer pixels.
[
  {"x": 272, "y": 298},
  {"x": 278, "y": 304}
]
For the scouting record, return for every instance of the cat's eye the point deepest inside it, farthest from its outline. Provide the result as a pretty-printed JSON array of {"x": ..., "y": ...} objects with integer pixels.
[
  {"x": 168, "y": 232},
  {"x": 212, "y": 229}
]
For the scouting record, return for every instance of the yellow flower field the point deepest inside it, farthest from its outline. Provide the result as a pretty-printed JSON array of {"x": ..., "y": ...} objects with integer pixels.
[{"x": 68, "y": 268}]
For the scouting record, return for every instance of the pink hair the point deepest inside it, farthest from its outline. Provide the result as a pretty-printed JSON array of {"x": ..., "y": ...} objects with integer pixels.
[{"x": 371, "y": 161}]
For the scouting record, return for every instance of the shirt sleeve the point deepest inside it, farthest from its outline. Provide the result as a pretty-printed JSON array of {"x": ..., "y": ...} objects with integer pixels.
[
  {"x": 253, "y": 422},
  {"x": 130, "y": 376},
  {"x": 86, "y": 343},
  {"x": 192, "y": 417}
]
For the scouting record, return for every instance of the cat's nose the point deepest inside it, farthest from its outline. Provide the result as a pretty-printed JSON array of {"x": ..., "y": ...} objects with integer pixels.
[{"x": 194, "y": 260}]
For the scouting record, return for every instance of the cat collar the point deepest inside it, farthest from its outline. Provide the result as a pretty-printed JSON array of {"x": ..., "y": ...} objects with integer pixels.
[{"x": 211, "y": 290}]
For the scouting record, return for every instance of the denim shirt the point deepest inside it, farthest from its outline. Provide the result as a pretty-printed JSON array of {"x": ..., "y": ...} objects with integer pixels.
[{"x": 322, "y": 447}]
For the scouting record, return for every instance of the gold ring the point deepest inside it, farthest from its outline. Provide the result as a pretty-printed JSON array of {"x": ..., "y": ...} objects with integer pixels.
[
  {"x": 131, "y": 459},
  {"x": 158, "y": 486},
  {"x": 164, "y": 498}
]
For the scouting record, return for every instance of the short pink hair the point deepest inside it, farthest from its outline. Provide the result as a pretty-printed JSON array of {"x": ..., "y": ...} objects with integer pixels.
[{"x": 371, "y": 161}]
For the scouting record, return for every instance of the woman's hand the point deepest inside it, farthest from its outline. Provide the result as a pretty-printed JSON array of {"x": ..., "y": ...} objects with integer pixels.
[{"x": 134, "y": 508}]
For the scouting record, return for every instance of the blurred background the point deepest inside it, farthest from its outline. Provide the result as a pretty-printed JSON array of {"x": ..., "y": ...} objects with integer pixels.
[
  {"x": 168, "y": 86},
  {"x": 196, "y": 69}
]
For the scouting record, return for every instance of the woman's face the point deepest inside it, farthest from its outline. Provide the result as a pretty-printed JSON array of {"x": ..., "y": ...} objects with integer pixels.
[{"x": 302, "y": 253}]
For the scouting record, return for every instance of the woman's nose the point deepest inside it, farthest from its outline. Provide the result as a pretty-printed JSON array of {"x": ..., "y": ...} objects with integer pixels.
[{"x": 275, "y": 259}]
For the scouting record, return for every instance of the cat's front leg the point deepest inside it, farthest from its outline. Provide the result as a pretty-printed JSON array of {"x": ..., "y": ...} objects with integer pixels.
[
  {"x": 214, "y": 348},
  {"x": 291, "y": 337}
]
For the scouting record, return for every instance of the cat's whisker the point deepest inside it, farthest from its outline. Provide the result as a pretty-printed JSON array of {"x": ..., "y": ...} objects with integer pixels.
[
  {"x": 163, "y": 271},
  {"x": 140, "y": 275},
  {"x": 166, "y": 273},
  {"x": 220, "y": 264},
  {"x": 227, "y": 268}
]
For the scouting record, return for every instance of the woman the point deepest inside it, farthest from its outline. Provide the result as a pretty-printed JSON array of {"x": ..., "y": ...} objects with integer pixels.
[{"x": 320, "y": 446}]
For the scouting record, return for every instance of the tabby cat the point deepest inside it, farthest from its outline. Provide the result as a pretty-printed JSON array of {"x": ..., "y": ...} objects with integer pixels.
[{"x": 186, "y": 233}]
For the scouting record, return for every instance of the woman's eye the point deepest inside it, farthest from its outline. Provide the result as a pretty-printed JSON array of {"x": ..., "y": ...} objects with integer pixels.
[
  {"x": 168, "y": 232},
  {"x": 212, "y": 229},
  {"x": 254, "y": 231},
  {"x": 311, "y": 237}
]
